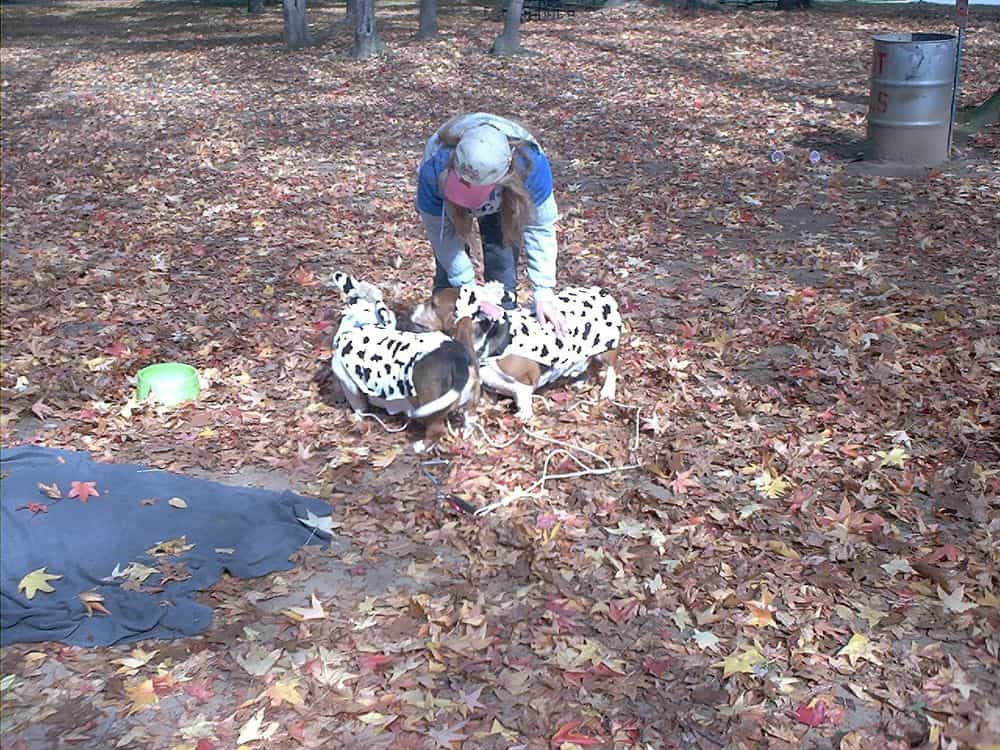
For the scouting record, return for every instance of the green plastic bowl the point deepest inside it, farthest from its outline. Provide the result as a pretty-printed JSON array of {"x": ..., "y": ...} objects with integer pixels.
[{"x": 168, "y": 383}]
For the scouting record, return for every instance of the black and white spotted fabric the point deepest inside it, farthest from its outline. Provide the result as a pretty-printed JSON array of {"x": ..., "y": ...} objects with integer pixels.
[
  {"x": 593, "y": 326},
  {"x": 492, "y": 204},
  {"x": 377, "y": 356},
  {"x": 380, "y": 360}
]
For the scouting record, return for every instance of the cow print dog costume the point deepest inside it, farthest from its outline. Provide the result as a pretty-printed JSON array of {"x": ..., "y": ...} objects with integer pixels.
[
  {"x": 529, "y": 355},
  {"x": 425, "y": 376}
]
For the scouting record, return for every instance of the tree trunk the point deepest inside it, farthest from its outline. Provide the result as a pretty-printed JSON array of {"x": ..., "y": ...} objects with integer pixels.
[
  {"x": 973, "y": 119},
  {"x": 351, "y": 12},
  {"x": 509, "y": 42},
  {"x": 255, "y": 6},
  {"x": 428, "y": 20},
  {"x": 366, "y": 39},
  {"x": 296, "y": 31}
]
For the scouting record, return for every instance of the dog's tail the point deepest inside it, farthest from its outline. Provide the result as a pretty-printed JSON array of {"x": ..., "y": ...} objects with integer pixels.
[
  {"x": 455, "y": 378},
  {"x": 439, "y": 404}
]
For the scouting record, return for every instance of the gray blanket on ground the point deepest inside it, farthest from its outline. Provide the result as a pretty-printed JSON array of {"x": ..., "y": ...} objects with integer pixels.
[{"x": 140, "y": 550}]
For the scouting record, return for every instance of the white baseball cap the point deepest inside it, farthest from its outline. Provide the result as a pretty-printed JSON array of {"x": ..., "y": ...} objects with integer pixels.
[{"x": 482, "y": 159}]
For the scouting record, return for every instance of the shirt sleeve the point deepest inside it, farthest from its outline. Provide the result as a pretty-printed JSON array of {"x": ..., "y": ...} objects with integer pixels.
[
  {"x": 429, "y": 198},
  {"x": 539, "y": 179},
  {"x": 541, "y": 248}
]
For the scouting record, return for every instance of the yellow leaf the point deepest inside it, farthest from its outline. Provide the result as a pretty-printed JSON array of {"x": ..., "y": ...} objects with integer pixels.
[
  {"x": 771, "y": 485},
  {"x": 142, "y": 694},
  {"x": 285, "y": 690},
  {"x": 782, "y": 549},
  {"x": 508, "y": 734},
  {"x": 98, "y": 363},
  {"x": 176, "y": 502},
  {"x": 131, "y": 663},
  {"x": 254, "y": 729},
  {"x": 171, "y": 547},
  {"x": 740, "y": 662},
  {"x": 760, "y": 616},
  {"x": 313, "y": 612},
  {"x": 93, "y": 601},
  {"x": 859, "y": 647},
  {"x": 374, "y": 718},
  {"x": 35, "y": 581},
  {"x": 894, "y": 457},
  {"x": 382, "y": 460}
]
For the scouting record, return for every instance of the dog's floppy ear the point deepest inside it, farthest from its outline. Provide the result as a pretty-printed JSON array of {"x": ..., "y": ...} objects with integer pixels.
[{"x": 424, "y": 316}]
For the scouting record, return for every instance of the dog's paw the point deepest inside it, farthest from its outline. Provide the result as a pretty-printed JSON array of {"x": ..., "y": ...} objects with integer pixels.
[
  {"x": 608, "y": 391},
  {"x": 525, "y": 415},
  {"x": 420, "y": 447}
]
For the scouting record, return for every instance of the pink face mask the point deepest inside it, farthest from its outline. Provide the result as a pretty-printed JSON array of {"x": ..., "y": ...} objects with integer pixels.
[{"x": 491, "y": 311}]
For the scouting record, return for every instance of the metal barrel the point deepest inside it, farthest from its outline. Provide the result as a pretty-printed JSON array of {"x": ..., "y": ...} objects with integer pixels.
[{"x": 909, "y": 113}]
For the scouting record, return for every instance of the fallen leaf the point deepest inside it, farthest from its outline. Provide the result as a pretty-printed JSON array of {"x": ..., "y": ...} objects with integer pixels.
[
  {"x": 508, "y": 734},
  {"x": 137, "y": 658},
  {"x": 259, "y": 660},
  {"x": 94, "y": 602},
  {"x": 683, "y": 482},
  {"x": 811, "y": 714},
  {"x": 83, "y": 490},
  {"x": 894, "y": 457},
  {"x": 376, "y": 719},
  {"x": 142, "y": 695},
  {"x": 445, "y": 736},
  {"x": 320, "y": 523},
  {"x": 567, "y": 734},
  {"x": 385, "y": 458},
  {"x": 285, "y": 690},
  {"x": 741, "y": 662},
  {"x": 897, "y": 565},
  {"x": 170, "y": 548},
  {"x": 255, "y": 730},
  {"x": 770, "y": 484},
  {"x": 706, "y": 639},
  {"x": 313, "y": 612},
  {"x": 859, "y": 647},
  {"x": 51, "y": 490},
  {"x": 35, "y": 581},
  {"x": 953, "y": 602}
]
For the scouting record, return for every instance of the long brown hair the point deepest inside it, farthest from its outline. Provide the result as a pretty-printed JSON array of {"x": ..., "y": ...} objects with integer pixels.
[{"x": 517, "y": 209}]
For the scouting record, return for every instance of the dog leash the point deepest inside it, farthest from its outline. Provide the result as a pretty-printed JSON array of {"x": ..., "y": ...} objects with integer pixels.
[{"x": 440, "y": 494}]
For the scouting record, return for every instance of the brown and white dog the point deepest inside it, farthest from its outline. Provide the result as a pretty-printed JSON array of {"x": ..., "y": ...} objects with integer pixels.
[
  {"x": 521, "y": 355},
  {"x": 426, "y": 376}
]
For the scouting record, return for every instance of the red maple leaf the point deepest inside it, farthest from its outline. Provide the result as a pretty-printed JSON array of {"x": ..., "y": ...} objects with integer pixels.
[
  {"x": 304, "y": 276},
  {"x": 623, "y": 611},
  {"x": 567, "y": 733},
  {"x": 811, "y": 715},
  {"x": 656, "y": 667},
  {"x": 683, "y": 481},
  {"x": 200, "y": 691},
  {"x": 374, "y": 661},
  {"x": 164, "y": 684},
  {"x": 84, "y": 490},
  {"x": 35, "y": 507}
]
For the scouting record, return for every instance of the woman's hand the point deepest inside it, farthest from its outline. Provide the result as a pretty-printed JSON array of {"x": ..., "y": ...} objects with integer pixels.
[{"x": 548, "y": 314}]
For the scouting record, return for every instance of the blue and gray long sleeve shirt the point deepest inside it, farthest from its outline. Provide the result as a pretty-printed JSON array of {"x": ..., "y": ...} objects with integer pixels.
[{"x": 539, "y": 243}]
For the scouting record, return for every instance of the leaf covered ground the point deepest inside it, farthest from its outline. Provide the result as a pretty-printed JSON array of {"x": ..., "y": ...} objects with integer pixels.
[{"x": 807, "y": 553}]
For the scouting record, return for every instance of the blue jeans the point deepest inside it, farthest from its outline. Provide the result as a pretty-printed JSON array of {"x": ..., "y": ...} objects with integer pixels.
[{"x": 499, "y": 262}]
